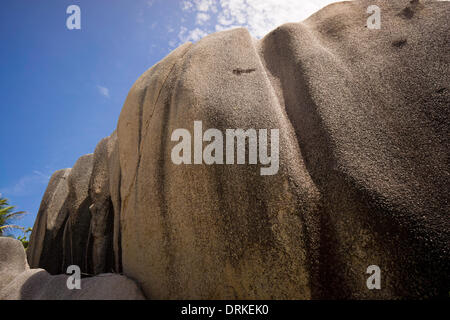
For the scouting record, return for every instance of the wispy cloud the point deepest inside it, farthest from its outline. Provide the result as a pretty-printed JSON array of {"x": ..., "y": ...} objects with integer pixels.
[
  {"x": 259, "y": 17},
  {"x": 202, "y": 18},
  {"x": 104, "y": 91},
  {"x": 26, "y": 185},
  {"x": 191, "y": 35}
]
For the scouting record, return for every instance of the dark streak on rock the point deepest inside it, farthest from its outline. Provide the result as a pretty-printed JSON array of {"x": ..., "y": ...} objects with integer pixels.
[
  {"x": 399, "y": 43},
  {"x": 411, "y": 10},
  {"x": 240, "y": 71}
]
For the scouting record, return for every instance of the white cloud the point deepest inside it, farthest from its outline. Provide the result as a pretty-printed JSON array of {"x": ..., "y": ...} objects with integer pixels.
[
  {"x": 259, "y": 17},
  {"x": 206, "y": 5},
  {"x": 186, "y": 5},
  {"x": 199, "y": 5},
  {"x": 192, "y": 35},
  {"x": 172, "y": 43},
  {"x": 103, "y": 91},
  {"x": 196, "y": 34},
  {"x": 181, "y": 34},
  {"x": 202, "y": 18}
]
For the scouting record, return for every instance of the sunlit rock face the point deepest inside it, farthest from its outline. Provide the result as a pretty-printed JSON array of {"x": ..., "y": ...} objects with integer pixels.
[{"x": 362, "y": 176}]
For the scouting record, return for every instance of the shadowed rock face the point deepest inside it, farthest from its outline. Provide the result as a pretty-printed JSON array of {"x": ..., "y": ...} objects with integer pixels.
[
  {"x": 45, "y": 249},
  {"x": 363, "y": 123},
  {"x": 18, "y": 281},
  {"x": 75, "y": 223},
  {"x": 102, "y": 208},
  {"x": 76, "y": 231}
]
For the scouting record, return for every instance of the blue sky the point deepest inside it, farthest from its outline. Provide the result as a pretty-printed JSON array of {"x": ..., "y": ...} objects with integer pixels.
[{"x": 62, "y": 90}]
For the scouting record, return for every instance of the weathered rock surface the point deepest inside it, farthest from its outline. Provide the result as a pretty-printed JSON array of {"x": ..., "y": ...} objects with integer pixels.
[
  {"x": 18, "y": 281},
  {"x": 46, "y": 249},
  {"x": 75, "y": 223},
  {"x": 364, "y": 125},
  {"x": 12, "y": 260},
  {"x": 76, "y": 231},
  {"x": 102, "y": 212},
  {"x": 114, "y": 188}
]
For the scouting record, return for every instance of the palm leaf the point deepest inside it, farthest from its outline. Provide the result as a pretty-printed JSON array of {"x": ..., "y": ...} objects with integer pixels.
[
  {"x": 11, "y": 215},
  {"x": 11, "y": 226}
]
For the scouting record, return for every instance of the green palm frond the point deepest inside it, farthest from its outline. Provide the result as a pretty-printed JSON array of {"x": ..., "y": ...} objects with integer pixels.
[
  {"x": 6, "y": 209},
  {"x": 7, "y": 216},
  {"x": 11, "y": 226},
  {"x": 14, "y": 215}
]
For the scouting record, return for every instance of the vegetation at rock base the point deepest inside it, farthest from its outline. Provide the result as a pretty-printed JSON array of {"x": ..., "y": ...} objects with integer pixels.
[{"x": 7, "y": 218}]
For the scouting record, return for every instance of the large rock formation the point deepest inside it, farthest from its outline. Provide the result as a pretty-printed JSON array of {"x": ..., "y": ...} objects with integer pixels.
[
  {"x": 76, "y": 231},
  {"x": 75, "y": 222},
  {"x": 45, "y": 249},
  {"x": 18, "y": 281},
  {"x": 363, "y": 166},
  {"x": 102, "y": 221}
]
